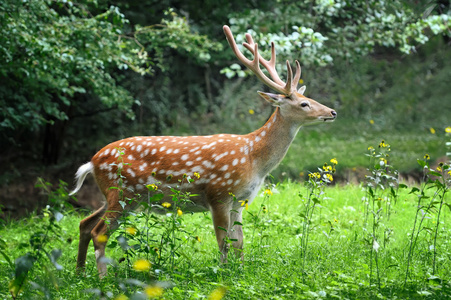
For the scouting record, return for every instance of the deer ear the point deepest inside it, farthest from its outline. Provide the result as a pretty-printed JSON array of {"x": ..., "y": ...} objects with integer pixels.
[
  {"x": 274, "y": 99},
  {"x": 302, "y": 90}
]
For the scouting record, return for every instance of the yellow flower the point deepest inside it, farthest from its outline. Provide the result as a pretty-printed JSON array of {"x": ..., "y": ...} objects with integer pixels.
[
  {"x": 427, "y": 157},
  {"x": 141, "y": 265},
  {"x": 383, "y": 144},
  {"x": 251, "y": 111},
  {"x": 218, "y": 293},
  {"x": 432, "y": 130},
  {"x": 131, "y": 230},
  {"x": 196, "y": 175},
  {"x": 121, "y": 297},
  {"x": 264, "y": 209},
  {"x": 166, "y": 204},
  {"x": 334, "y": 161},
  {"x": 197, "y": 238},
  {"x": 179, "y": 212},
  {"x": 301, "y": 81},
  {"x": 103, "y": 238},
  {"x": 330, "y": 177},
  {"x": 370, "y": 148},
  {"x": 152, "y": 187},
  {"x": 335, "y": 220},
  {"x": 268, "y": 192},
  {"x": 372, "y": 122},
  {"x": 439, "y": 169},
  {"x": 153, "y": 291},
  {"x": 245, "y": 203},
  {"x": 449, "y": 173},
  {"x": 448, "y": 129},
  {"x": 327, "y": 168}
]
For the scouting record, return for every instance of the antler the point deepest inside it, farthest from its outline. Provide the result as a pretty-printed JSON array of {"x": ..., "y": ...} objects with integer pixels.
[{"x": 286, "y": 88}]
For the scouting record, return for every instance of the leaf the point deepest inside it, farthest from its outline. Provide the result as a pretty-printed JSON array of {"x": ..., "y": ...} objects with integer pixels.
[
  {"x": 422, "y": 163},
  {"x": 434, "y": 173},
  {"x": 237, "y": 223},
  {"x": 6, "y": 257},
  {"x": 222, "y": 228},
  {"x": 414, "y": 190}
]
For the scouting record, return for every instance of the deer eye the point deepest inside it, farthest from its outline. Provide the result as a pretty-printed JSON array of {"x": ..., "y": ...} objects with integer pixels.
[{"x": 304, "y": 104}]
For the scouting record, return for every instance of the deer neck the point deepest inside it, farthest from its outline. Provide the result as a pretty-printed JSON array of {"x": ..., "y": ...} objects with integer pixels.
[{"x": 270, "y": 143}]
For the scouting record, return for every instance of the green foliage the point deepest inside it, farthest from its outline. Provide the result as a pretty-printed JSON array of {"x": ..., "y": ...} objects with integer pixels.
[
  {"x": 57, "y": 52},
  {"x": 322, "y": 31}
]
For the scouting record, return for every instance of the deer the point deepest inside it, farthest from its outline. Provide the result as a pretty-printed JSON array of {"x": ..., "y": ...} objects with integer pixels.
[{"x": 226, "y": 164}]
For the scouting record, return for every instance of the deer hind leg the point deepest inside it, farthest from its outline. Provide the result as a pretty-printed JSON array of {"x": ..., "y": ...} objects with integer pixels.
[
  {"x": 86, "y": 226},
  {"x": 103, "y": 229}
]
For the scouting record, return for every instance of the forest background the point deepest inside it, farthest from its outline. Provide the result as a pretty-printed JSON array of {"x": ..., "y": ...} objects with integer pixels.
[{"x": 75, "y": 76}]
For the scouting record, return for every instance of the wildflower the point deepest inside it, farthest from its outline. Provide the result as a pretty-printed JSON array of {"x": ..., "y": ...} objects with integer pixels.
[
  {"x": 166, "y": 204},
  {"x": 335, "y": 220},
  {"x": 334, "y": 161},
  {"x": 153, "y": 174},
  {"x": 268, "y": 192},
  {"x": 448, "y": 129},
  {"x": 141, "y": 265},
  {"x": 152, "y": 187},
  {"x": 179, "y": 212},
  {"x": 103, "y": 238},
  {"x": 197, "y": 175},
  {"x": 327, "y": 168},
  {"x": 427, "y": 157},
  {"x": 197, "y": 238},
  {"x": 449, "y": 173},
  {"x": 370, "y": 148},
  {"x": 217, "y": 294},
  {"x": 301, "y": 81},
  {"x": 121, "y": 297},
  {"x": 432, "y": 130},
  {"x": 153, "y": 291},
  {"x": 329, "y": 177},
  {"x": 245, "y": 203},
  {"x": 314, "y": 175},
  {"x": 131, "y": 230},
  {"x": 383, "y": 161},
  {"x": 383, "y": 144},
  {"x": 251, "y": 111},
  {"x": 264, "y": 209},
  {"x": 372, "y": 122},
  {"x": 439, "y": 169},
  {"x": 169, "y": 177}
]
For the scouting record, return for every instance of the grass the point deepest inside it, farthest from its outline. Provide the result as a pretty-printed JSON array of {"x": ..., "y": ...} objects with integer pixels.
[{"x": 338, "y": 260}]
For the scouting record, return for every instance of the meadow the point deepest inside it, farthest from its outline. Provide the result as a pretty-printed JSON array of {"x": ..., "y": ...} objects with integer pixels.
[{"x": 380, "y": 239}]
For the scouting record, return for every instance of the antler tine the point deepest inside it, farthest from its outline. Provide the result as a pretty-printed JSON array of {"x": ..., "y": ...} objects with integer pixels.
[
  {"x": 254, "y": 65},
  {"x": 269, "y": 65},
  {"x": 288, "y": 85},
  {"x": 297, "y": 76}
]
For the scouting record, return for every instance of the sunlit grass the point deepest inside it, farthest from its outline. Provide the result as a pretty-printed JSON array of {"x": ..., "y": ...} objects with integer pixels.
[{"x": 337, "y": 262}]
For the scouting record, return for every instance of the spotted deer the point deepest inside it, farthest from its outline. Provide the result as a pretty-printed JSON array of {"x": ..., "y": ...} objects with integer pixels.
[{"x": 225, "y": 163}]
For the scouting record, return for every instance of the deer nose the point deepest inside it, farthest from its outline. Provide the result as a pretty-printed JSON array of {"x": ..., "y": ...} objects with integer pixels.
[{"x": 333, "y": 113}]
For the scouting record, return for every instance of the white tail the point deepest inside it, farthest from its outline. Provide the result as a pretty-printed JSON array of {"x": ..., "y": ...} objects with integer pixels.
[
  {"x": 81, "y": 174},
  {"x": 226, "y": 163}
]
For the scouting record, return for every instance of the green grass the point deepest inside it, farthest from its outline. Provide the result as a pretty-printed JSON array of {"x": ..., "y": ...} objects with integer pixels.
[{"x": 337, "y": 262}]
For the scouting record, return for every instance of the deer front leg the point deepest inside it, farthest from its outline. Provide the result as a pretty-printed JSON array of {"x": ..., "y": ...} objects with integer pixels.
[
  {"x": 221, "y": 223},
  {"x": 235, "y": 232}
]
